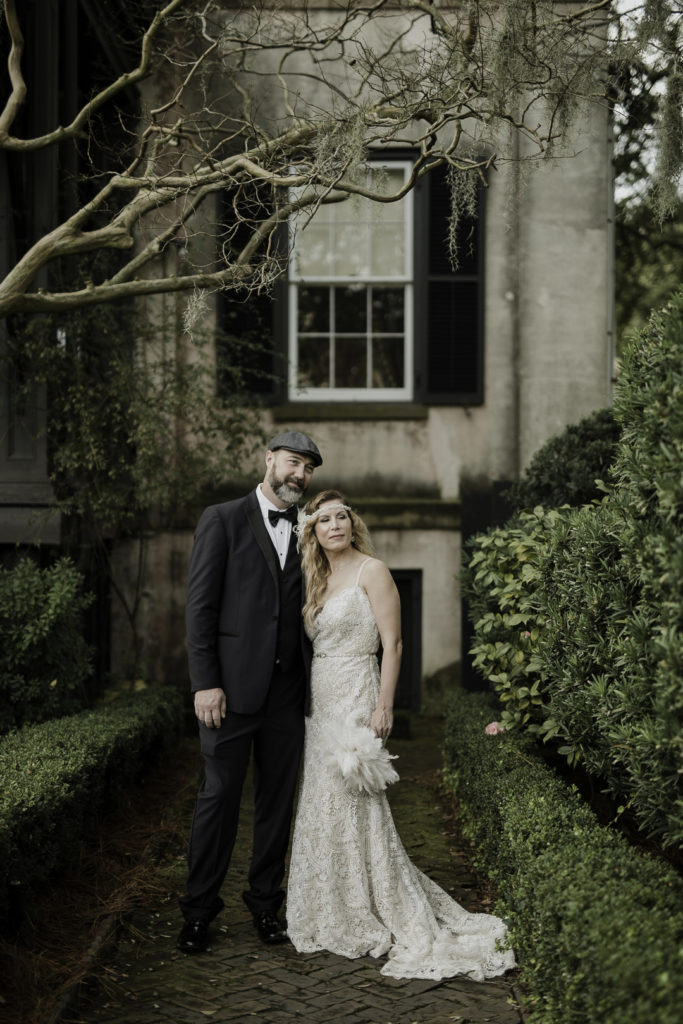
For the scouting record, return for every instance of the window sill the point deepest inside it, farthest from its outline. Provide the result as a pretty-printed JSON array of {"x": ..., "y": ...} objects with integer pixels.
[{"x": 307, "y": 411}]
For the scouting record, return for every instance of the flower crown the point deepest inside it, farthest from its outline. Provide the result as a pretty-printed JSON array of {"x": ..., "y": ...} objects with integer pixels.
[{"x": 303, "y": 520}]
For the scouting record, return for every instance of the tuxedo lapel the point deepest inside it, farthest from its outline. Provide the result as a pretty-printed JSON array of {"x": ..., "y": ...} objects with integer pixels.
[
  {"x": 292, "y": 553},
  {"x": 258, "y": 528}
]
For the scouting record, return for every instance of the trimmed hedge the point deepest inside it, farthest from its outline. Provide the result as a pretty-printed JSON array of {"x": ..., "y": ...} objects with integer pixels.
[
  {"x": 57, "y": 775},
  {"x": 597, "y": 926},
  {"x": 44, "y": 659},
  {"x": 565, "y": 469}
]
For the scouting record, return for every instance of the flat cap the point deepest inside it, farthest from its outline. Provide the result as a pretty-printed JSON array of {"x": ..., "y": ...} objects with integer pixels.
[{"x": 295, "y": 441}]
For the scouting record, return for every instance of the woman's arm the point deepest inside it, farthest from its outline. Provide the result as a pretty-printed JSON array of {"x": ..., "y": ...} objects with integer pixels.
[{"x": 386, "y": 607}]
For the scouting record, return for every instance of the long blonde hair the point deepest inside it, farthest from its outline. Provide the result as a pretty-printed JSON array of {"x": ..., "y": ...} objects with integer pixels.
[{"x": 314, "y": 564}]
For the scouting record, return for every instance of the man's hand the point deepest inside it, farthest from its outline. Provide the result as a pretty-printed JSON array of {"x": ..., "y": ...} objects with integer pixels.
[{"x": 210, "y": 707}]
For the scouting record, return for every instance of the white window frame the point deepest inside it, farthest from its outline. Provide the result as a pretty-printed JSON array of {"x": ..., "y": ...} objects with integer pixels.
[{"x": 295, "y": 280}]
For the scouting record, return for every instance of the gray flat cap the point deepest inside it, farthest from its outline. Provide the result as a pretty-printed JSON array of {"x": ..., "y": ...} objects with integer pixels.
[{"x": 295, "y": 441}]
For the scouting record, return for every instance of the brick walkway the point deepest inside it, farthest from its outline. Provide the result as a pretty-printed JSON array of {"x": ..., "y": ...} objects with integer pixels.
[{"x": 142, "y": 979}]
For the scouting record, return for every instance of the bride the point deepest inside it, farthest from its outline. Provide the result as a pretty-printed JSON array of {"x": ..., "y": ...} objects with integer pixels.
[{"x": 352, "y": 889}]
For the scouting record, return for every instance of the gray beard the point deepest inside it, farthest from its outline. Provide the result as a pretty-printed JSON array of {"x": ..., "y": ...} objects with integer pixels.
[
  {"x": 284, "y": 492},
  {"x": 287, "y": 494}
]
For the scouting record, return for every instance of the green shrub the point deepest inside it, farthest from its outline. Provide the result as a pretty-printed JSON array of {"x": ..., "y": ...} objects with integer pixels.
[
  {"x": 597, "y": 926},
  {"x": 615, "y": 700},
  {"x": 44, "y": 659},
  {"x": 501, "y": 579},
  {"x": 648, "y": 402},
  {"x": 57, "y": 775},
  {"x": 564, "y": 471},
  {"x": 600, "y": 592},
  {"x": 612, "y": 592}
]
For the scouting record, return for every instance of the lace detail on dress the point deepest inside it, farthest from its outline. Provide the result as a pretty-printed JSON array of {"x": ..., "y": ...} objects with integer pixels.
[{"x": 352, "y": 888}]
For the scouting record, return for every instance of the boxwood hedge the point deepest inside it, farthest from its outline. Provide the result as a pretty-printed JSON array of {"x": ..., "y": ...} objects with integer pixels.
[
  {"x": 44, "y": 658},
  {"x": 597, "y": 926},
  {"x": 57, "y": 775},
  {"x": 565, "y": 470}
]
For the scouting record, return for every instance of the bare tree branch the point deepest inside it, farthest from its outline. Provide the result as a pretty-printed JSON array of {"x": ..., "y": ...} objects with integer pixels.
[
  {"x": 276, "y": 111},
  {"x": 17, "y": 82},
  {"x": 77, "y": 126}
]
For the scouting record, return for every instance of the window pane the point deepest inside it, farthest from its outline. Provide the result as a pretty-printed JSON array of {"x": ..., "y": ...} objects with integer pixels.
[
  {"x": 314, "y": 309},
  {"x": 387, "y": 310},
  {"x": 314, "y": 362},
  {"x": 350, "y": 364},
  {"x": 350, "y": 305},
  {"x": 313, "y": 255},
  {"x": 350, "y": 251},
  {"x": 387, "y": 363},
  {"x": 388, "y": 250},
  {"x": 388, "y": 226}
]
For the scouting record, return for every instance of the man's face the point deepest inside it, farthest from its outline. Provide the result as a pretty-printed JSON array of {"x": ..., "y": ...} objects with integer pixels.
[{"x": 288, "y": 474}]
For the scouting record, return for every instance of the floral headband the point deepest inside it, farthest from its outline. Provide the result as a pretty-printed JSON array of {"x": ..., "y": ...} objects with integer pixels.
[{"x": 304, "y": 520}]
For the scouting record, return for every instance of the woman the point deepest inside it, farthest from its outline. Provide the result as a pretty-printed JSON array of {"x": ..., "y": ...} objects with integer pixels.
[{"x": 352, "y": 889}]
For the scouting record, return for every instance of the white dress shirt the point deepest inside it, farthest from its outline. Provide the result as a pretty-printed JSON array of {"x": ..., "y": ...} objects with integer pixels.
[{"x": 281, "y": 532}]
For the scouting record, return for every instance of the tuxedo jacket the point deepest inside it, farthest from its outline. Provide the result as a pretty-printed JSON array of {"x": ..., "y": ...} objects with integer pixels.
[{"x": 233, "y": 605}]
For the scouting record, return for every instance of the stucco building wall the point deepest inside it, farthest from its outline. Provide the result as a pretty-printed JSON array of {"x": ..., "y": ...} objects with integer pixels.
[{"x": 547, "y": 363}]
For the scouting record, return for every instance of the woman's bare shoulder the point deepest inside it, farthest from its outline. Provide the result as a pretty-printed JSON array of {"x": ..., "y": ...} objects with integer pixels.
[{"x": 375, "y": 572}]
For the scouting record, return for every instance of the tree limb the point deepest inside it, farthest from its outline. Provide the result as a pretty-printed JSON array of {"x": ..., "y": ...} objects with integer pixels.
[
  {"x": 18, "y": 94},
  {"x": 73, "y": 130},
  {"x": 268, "y": 105}
]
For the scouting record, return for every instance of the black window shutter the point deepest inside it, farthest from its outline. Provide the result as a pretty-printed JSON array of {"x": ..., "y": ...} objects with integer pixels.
[
  {"x": 448, "y": 301},
  {"x": 248, "y": 356},
  {"x": 250, "y": 350}
]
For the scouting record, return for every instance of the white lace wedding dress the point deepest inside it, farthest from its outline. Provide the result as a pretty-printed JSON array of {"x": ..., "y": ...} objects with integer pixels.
[{"x": 352, "y": 889}]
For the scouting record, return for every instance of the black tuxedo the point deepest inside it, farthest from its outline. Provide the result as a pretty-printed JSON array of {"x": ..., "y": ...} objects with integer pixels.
[
  {"x": 245, "y": 635},
  {"x": 233, "y": 605}
]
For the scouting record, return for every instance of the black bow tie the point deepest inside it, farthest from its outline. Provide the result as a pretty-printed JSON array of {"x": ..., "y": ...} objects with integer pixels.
[{"x": 290, "y": 513}]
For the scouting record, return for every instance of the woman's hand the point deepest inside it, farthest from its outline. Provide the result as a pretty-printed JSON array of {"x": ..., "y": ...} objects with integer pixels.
[{"x": 382, "y": 722}]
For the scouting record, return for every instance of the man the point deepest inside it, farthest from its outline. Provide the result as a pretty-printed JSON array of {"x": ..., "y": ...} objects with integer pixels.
[{"x": 249, "y": 664}]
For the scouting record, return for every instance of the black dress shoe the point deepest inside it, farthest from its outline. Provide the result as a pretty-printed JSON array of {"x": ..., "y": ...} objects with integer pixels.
[
  {"x": 193, "y": 937},
  {"x": 269, "y": 928}
]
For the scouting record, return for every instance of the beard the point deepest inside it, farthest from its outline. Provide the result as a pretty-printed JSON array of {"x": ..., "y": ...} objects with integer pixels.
[{"x": 288, "y": 491}]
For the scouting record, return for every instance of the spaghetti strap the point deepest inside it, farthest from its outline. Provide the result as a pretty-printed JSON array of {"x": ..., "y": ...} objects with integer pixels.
[{"x": 360, "y": 569}]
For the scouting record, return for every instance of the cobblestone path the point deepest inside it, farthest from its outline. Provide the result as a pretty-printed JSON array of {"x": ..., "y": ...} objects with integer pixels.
[{"x": 142, "y": 979}]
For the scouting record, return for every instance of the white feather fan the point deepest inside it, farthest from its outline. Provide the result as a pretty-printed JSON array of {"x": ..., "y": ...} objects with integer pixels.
[{"x": 362, "y": 760}]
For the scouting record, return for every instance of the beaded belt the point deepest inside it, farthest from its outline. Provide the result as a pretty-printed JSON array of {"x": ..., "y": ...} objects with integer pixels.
[{"x": 320, "y": 654}]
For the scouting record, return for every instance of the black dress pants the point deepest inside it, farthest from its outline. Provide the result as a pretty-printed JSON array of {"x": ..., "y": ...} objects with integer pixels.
[{"x": 275, "y": 734}]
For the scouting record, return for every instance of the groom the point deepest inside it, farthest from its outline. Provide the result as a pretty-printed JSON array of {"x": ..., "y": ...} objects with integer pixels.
[{"x": 249, "y": 667}]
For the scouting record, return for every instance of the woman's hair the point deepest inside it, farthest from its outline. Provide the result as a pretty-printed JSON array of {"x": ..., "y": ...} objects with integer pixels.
[{"x": 314, "y": 564}]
